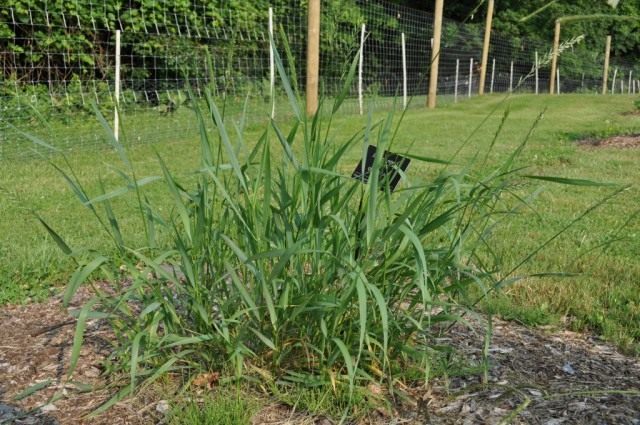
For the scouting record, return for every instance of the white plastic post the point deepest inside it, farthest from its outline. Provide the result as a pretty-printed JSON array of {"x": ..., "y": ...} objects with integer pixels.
[
  {"x": 537, "y": 81},
  {"x": 613, "y": 82},
  {"x": 470, "y": 76},
  {"x": 272, "y": 69},
  {"x": 116, "y": 121},
  {"x": 455, "y": 87},
  {"x": 360, "y": 68},
  {"x": 404, "y": 73},
  {"x": 493, "y": 72},
  {"x": 511, "y": 78},
  {"x": 621, "y": 85},
  {"x": 558, "y": 79},
  {"x": 630, "y": 80}
]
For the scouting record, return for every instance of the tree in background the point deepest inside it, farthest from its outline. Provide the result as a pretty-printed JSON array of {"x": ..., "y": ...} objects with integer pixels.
[{"x": 539, "y": 27}]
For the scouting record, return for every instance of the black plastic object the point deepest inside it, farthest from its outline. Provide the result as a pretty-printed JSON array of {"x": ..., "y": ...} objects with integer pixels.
[{"x": 389, "y": 170}]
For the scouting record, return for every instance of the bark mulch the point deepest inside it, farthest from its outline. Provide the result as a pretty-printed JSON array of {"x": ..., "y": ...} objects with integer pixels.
[
  {"x": 620, "y": 142},
  {"x": 535, "y": 377},
  {"x": 35, "y": 347}
]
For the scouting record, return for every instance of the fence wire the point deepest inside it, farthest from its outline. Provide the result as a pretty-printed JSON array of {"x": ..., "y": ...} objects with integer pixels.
[{"x": 58, "y": 67}]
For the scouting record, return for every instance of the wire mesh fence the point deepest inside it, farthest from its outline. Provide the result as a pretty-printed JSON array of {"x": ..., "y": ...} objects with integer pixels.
[{"x": 58, "y": 66}]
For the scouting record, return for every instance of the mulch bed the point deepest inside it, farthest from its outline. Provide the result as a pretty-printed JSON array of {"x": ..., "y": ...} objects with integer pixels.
[
  {"x": 536, "y": 376},
  {"x": 35, "y": 346},
  {"x": 552, "y": 378},
  {"x": 621, "y": 142}
]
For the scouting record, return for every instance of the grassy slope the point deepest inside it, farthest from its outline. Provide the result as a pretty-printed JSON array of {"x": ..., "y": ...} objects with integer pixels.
[{"x": 604, "y": 297}]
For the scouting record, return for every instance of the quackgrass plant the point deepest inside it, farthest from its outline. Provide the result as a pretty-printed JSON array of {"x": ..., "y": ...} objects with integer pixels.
[{"x": 283, "y": 269}]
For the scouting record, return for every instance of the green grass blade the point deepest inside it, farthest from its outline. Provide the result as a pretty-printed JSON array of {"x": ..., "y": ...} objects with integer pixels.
[
  {"x": 135, "y": 350},
  {"x": 178, "y": 202},
  {"x": 569, "y": 181},
  {"x": 78, "y": 336},
  {"x": 80, "y": 276},
  {"x": 54, "y": 235},
  {"x": 384, "y": 315},
  {"x": 226, "y": 142},
  {"x": 346, "y": 84},
  {"x": 293, "y": 99},
  {"x": 348, "y": 362},
  {"x": 117, "y": 397},
  {"x": 267, "y": 341},
  {"x": 33, "y": 389},
  {"x": 111, "y": 137},
  {"x": 253, "y": 308},
  {"x": 123, "y": 190}
]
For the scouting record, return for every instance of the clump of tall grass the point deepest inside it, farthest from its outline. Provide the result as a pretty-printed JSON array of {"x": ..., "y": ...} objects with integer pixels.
[{"x": 282, "y": 268}]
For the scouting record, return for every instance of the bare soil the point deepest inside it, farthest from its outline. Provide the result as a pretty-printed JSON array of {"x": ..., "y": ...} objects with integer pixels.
[
  {"x": 621, "y": 142},
  {"x": 536, "y": 376}
]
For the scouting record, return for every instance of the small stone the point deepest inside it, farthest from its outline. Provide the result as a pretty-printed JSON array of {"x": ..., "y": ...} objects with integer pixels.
[
  {"x": 162, "y": 407},
  {"x": 568, "y": 369},
  {"x": 29, "y": 420},
  {"x": 501, "y": 350},
  {"x": 48, "y": 408},
  {"x": 535, "y": 393},
  {"x": 91, "y": 372}
]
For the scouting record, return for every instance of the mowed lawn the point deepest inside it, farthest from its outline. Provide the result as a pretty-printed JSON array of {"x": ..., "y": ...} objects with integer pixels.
[{"x": 600, "y": 253}]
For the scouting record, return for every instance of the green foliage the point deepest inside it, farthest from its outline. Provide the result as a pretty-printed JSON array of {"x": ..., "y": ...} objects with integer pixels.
[
  {"x": 289, "y": 271},
  {"x": 538, "y": 26},
  {"x": 84, "y": 32},
  {"x": 627, "y": 38},
  {"x": 222, "y": 408}
]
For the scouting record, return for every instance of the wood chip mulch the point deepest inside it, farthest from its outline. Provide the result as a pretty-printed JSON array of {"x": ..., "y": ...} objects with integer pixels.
[
  {"x": 35, "y": 347},
  {"x": 535, "y": 377},
  {"x": 620, "y": 142},
  {"x": 549, "y": 378}
]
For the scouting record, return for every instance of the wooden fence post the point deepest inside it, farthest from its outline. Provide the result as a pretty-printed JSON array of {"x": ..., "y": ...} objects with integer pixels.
[
  {"x": 116, "y": 113},
  {"x": 554, "y": 57},
  {"x": 313, "y": 56},
  {"x": 404, "y": 72},
  {"x": 537, "y": 65},
  {"x": 485, "y": 47},
  {"x": 493, "y": 73},
  {"x": 272, "y": 68},
  {"x": 361, "y": 69},
  {"x": 435, "y": 55},
  {"x": 605, "y": 76},
  {"x": 455, "y": 87},
  {"x": 470, "y": 76},
  {"x": 511, "y": 78}
]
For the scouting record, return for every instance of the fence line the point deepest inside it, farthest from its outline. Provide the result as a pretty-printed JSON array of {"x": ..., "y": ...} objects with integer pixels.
[{"x": 177, "y": 49}]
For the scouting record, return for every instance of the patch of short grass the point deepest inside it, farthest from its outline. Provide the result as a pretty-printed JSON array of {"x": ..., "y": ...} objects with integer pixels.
[{"x": 219, "y": 407}]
